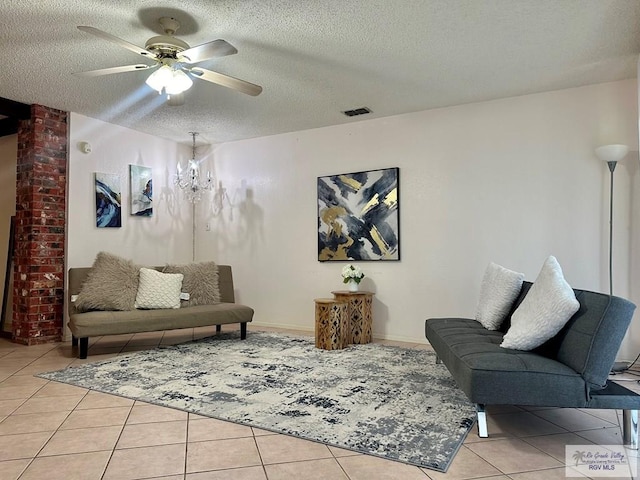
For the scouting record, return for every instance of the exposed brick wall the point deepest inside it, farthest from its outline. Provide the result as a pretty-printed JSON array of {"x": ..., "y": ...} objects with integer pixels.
[{"x": 38, "y": 293}]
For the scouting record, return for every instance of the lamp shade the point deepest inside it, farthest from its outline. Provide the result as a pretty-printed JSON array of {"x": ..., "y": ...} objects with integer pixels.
[
  {"x": 179, "y": 82},
  {"x": 612, "y": 153},
  {"x": 173, "y": 81},
  {"x": 161, "y": 77}
]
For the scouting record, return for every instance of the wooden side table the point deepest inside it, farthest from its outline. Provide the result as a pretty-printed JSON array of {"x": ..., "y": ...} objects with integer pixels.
[
  {"x": 359, "y": 314},
  {"x": 331, "y": 324}
]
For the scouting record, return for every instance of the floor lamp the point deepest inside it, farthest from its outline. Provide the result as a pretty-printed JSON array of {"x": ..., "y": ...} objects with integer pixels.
[{"x": 612, "y": 154}]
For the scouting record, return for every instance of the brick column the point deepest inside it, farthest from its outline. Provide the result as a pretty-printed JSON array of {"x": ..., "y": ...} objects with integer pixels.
[{"x": 38, "y": 283}]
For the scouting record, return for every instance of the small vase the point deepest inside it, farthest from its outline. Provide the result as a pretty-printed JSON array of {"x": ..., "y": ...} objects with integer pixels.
[{"x": 353, "y": 286}]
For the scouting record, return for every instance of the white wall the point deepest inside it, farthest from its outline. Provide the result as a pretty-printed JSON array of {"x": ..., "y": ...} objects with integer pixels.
[
  {"x": 164, "y": 237},
  {"x": 511, "y": 181},
  {"x": 634, "y": 247}
]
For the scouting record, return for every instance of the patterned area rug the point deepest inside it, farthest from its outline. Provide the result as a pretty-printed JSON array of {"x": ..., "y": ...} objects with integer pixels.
[{"x": 380, "y": 400}]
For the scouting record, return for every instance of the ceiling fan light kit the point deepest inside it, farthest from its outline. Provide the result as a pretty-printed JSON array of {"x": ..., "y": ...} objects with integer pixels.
[
  {"x": 175, "y": 59},
  {"x": 170, "y": 80}
]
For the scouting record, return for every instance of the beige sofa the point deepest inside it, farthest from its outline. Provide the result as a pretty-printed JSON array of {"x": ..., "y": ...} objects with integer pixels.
[{"x": 97, "y": 323}]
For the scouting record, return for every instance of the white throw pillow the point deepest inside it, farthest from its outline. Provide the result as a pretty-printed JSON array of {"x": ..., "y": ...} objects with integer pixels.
[
  {"x": 158, "y": 290},
  {"x": 548, "y": 306},
  {"x": 498, "y": 290}
]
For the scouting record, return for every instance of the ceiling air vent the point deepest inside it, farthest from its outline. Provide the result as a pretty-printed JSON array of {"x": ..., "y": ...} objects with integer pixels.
[{"x": 357, "y": 111}]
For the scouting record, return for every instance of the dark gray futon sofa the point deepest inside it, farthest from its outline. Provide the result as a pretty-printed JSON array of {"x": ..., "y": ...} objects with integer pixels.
[{"x": 570, "y": 370}]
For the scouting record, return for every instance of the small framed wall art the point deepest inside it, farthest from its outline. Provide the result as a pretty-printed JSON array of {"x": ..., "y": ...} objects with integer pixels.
[
  {"x": 108, "y": 200},
  {"x": 358, "y": 216},
  {"x": 141, "y": 193}
]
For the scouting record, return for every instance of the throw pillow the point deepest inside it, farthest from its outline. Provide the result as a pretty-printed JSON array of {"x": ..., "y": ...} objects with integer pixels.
[
  {"x": 200, "y": 282},
  {"x": 498, "y": 290},
  {"x": 547, "y": 307},
  {"x": 158, "y": 290},
  {"x": 110, "y": 285}
]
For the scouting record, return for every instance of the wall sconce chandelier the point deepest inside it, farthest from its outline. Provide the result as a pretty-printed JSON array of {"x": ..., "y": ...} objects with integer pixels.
[{"x": 189, "y": 179}]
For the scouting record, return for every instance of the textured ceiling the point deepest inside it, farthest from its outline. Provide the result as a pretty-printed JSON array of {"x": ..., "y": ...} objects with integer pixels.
[{"x": 314, "y": 58}]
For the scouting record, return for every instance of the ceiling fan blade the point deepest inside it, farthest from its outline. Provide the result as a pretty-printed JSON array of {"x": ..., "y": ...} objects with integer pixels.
[
  {"x": 217, "y": 48},
  {"x": 226, "y": 81},
  {"x": 109, "y": 71},
  {"x": 117, "y": 41}
]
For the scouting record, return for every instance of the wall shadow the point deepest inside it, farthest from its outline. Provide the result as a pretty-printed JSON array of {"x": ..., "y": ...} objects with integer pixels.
[{"x": 238, "y": 219}]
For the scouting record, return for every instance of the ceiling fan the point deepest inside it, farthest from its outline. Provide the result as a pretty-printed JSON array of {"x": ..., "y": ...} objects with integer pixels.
[{"x": 174, "y": 62}]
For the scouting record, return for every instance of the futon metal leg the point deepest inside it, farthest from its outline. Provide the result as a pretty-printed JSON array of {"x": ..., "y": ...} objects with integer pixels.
[
  {"x": 243, "y": 330},
  {"x": 482, "y": 421},
  {"x": 218, "y": 328},
  {"x": 74, "y": 341},
  {"x": 84, "y": 347},
  {"x": 438, "y": 360},
  {"x": 630, "y": 428}
]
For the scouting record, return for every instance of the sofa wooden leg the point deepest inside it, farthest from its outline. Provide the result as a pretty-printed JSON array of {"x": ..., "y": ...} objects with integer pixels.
[
  {"x": 74, "y": 341},
  {"x": 84, "y": 347},
  {"x": 630, "y": 429},
  {"x": 483, "y": 432},
  {"x": 438, "y": 360},
  {"x": 218, "y": 328},
  {"x": 243, "y": 330}
]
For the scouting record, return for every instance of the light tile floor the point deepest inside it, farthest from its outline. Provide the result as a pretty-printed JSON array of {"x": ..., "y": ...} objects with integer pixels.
[{"x": 51, "y": 431}]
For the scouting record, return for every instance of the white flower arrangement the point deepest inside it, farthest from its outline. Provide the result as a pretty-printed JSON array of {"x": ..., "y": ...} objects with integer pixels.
[{"x": 351, "y": 272}]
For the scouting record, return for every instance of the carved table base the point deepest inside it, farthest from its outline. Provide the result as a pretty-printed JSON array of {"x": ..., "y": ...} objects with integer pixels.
[
  {"x": 331, "y": 324},
  {"x": 360, "y": 317}
]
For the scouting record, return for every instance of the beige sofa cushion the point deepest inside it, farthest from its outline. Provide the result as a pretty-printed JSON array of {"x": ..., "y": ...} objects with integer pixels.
[
  {"x": 111, "y": 284},
  {"x": 97, "y": 323},
  {"x": 201, "y": 282}
]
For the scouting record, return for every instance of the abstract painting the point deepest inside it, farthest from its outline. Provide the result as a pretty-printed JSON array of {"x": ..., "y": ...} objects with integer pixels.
[
  {"x": 358, "y": 216},
  {"x": 108, "y": 200},
  {"x": 141, "y": 193}
]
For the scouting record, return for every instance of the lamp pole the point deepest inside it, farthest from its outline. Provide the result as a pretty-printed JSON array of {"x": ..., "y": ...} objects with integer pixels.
[{"x": 612, "y": 167}]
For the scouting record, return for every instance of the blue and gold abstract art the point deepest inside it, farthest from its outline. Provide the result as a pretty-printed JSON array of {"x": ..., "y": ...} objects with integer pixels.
[{"x": 358, "y": 216}]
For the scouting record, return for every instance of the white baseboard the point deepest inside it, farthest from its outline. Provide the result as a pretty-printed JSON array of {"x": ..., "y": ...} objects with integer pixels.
[{"x": 308, "y": 329}]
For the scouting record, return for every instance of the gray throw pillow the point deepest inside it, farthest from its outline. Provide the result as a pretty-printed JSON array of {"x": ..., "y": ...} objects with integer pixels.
[
  {"x": 200, "y": 282},
  {"x": 111, "y": 284}
]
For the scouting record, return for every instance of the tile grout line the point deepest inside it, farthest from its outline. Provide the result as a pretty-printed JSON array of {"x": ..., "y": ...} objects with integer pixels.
[
  {"x": 33, "y": 458},
  {"x": 573, "y": 431},
  {"x": 186, "y": 444},
  {"x": 113, "y": 450},
  {"x": 525, "y": 441},
  {"x": 339, "y": 464},
  {"x": 255, "y": 441}
]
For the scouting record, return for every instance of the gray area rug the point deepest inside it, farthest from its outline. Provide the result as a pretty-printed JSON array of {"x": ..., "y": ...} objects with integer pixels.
[{"x": 380, "y": 400}]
